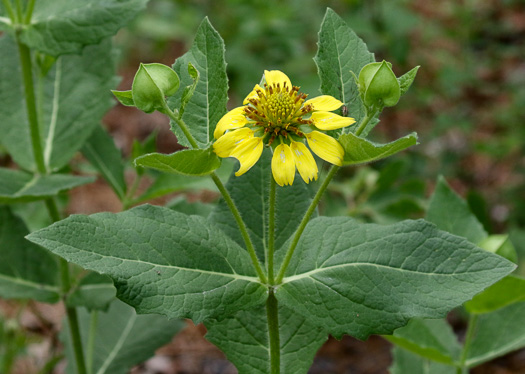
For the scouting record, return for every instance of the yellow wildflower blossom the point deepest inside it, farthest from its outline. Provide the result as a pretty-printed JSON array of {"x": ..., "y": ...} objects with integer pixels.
[{"x": 276, "y": 114}]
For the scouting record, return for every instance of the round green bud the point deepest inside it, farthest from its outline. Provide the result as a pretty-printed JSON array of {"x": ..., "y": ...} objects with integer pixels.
[
  {"x": 378, "y": 85},
  {"x": 152, "y": 83}
]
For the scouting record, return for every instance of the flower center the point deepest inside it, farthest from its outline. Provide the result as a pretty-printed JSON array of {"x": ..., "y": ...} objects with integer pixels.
[{"x": 278, "y": 111}]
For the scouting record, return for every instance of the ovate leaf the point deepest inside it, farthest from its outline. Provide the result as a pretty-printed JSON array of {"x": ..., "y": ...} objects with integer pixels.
[
  {"x": 340, "y": 53},
  {"x": 73, "y": 96},
  {"x": 122, "y": 338},
  {"x": 509, "y": 290},
  {"x": 102, "y": 153},
  {"x": 66, "y": 26},
  {"x": 359, "y": 150},
  {"x": 433, "y": 339},
  {"x": 208, "y": 103},
  {"x": 161, "y": 261},
  {"x": 405, "y": 81},
  {"x": 346, "y": 276},
  {"x": 19, "y": 186},
  {"x": 498, "y": 333},
  {"x": 250, "y": 193},
  {"x": 27, "y": 271},
  {"x": 244, "y": 339},
  {"x": 186, "y": 162}
]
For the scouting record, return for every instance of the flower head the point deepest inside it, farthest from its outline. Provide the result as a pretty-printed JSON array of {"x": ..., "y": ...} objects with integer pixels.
[{"x": 278, "y": 115}]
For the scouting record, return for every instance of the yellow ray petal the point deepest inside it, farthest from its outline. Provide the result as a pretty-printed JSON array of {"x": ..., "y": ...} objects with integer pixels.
[
  {"x": 234, "y": 119},
  {"x": 247, "y": 152},
  {"x": 283, "y": 165},
  {"x": 324, "y": 102},
  {"x": 330, "y": 121},
  {"x": 275, "y": 76},
  {"x": 224, "y": 146},
  {"x": 252, "y": 94},
  {"x": 326, "y": 147},
  {"x": 304, "y": 161}
]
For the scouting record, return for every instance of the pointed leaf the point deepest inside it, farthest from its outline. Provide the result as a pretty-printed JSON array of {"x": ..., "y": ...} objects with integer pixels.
[
  {"x": 75, "y": 94},
  {"x": 405, "y": 362},
  {"x": 208, "y": 103},
  {"x": 186, "y": 162},
  {"x": 450, "y": 212},
  {"x": 346, "y": 276},
  {"x": 498, "y": 333},
  {"x": 359, "y": 150},
  {"x": 94, "y": 292},
  {"x": 27, "y": 271},
  {"x": 124, "y": 97},
  {"x": 341, "y": 52},
  {"x": 19, "y": 186},
  {"x": 509, "y": 290},
  {"x": 66, "y": 26},
  {"x": 123, "y": 339},
  {"x": 101, "y": 151},
  {"x": 244, "y": 339},
  {"x": 433, "y": 339},
  {"x": 250, "y": 193},
  {"x": 161, "y": 261},
  {"x": 405, "y": 81}
]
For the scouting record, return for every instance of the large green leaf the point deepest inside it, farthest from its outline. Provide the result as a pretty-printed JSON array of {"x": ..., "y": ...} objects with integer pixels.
[
  {"x": 208, "y": 103},
  {"x": 18, "y": 186},
  {"x": 245, "y": 335},
  {"x": 362, "y": 279},
  {"x": 451, "y": 213},
  {"x": 340, "y": 53},
  {"x": 161, "y": 261},
  {"x": 73, "y": 96},
  {"x": 433, "y": 339},
  {"x": 66, "y": 26},
  {"x": 122, "y": 338},
  {"x": 509, "y": 290},
  {"x": 498, "y": 333},
  {"x": 195, "y": 162},
  {"x": 27, "y": 271},
  {"x": 101, "y": 151},
  {"x": 250, "y": 192},
  {"x": 405, "y": 362},
  {"x": 359, "y": 150}
]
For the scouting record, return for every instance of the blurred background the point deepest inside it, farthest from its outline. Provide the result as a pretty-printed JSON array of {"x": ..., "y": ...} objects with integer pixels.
[{"x": 467, "y": 105}]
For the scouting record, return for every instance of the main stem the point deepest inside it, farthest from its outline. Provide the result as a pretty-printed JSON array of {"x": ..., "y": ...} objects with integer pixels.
[
  {"x": 304, "y": 222},
  {"x": 34, "y": 130},
  {"x": 272, "y": 313},
  {"x": 471, "y": 331},
  {"x": 225, "y": 195},
  {"x": 271, "y": 232}
]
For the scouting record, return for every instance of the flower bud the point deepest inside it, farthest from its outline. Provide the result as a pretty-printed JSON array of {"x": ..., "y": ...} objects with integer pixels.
[
  {"x": 378, "y": 85},
  {"x": 152, "y": 83}
]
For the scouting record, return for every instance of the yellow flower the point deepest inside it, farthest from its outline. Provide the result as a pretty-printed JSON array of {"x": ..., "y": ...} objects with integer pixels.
[{"x": 276, "y": 114}]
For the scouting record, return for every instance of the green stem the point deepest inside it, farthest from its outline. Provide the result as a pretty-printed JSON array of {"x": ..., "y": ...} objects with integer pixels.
[
  {"x": 34, "y": 130},
  {"x": 242, "y": 226},
  {"x": 27, "y": 74},
  {"x": 9, "y": 9},
  {"x": 272, "y": 313},
  {"x": 19, "y": 11},
  {"x": 90, "y": 349},
  {"x": 471, "y": 332},
  {"x": 364, "y": 122},
  {"x": 29, "y": 11},
  {"x": 225, "y": 195},
  {"x": 303, "y": 223},
  {"x": 271, "y": 231}
]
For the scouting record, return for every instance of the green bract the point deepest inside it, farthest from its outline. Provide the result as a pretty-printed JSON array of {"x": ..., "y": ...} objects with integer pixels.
[{"x": 378, "y": 85}]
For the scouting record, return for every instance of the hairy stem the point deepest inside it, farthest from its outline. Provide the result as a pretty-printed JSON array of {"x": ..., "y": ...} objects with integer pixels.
[
  {"x": 34, "y": 129},
  {"x": 271, "y": 231},
  {"x": 304, "y": 222},
  {"x": 225, "y": 195},
  {"x": 272, "y": 313}
]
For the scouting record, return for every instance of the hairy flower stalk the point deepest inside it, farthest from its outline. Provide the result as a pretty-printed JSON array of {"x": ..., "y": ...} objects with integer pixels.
[{"x": 277, "y": 115}]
